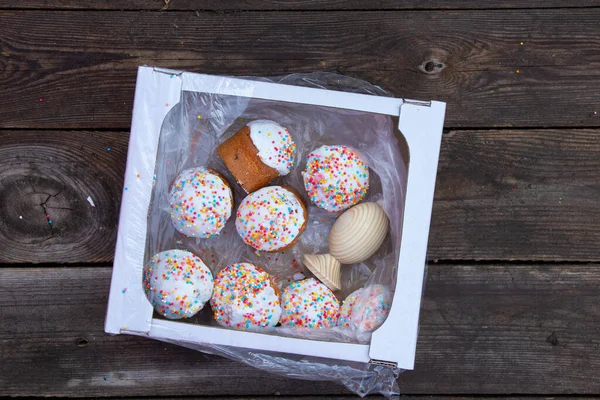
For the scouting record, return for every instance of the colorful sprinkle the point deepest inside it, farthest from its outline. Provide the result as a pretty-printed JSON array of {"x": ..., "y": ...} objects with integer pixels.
[
  {"x": 245, "y": 298},
  {"x": 270, "y": 218},
  {"x": 177, "y": 283},
  {"x": 335, "y": 177},
  {"x": 276, "y": 147},
  {"x": 201, "y": 203},
  {"x": 309, "y": 304},
  {"x": 367, "y": 308}
]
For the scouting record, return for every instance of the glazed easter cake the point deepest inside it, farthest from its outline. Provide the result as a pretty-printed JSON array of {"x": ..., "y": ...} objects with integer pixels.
[
  {"x": 258, "y": 153},
  {"x": 201, "y": 202}
]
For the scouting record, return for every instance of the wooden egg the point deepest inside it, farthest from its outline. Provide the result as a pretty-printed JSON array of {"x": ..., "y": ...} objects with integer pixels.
[
  {"x": 358, "y": 233},
  {"x": 325, "y": 268}
]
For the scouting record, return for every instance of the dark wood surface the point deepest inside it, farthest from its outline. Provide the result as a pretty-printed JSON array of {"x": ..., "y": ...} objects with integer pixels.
[
  {"x": 261, "y": 5},
  {"x": 512, "y": 302},
  {"x": 501, "y": 195},
  {"x": 82, "y": 64},
  {"x": 485, "y": 329},
  {"x": 45, "y": 181}
]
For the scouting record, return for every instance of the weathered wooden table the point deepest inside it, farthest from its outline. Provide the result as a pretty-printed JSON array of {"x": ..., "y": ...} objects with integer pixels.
[{"x": 512, "y": 303}]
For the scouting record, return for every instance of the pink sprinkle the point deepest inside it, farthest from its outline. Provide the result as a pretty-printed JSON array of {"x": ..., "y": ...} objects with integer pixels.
[{"x": 41, "y": 99}]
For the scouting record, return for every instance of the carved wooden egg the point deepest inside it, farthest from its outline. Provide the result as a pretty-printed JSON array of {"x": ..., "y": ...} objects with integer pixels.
[
  {"x": 358, "y": 233},
  {"x": 325, "y": 268}
]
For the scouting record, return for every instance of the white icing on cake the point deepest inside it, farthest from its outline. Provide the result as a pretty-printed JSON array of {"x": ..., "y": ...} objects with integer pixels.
[
  {"x": 309, "y": 304},
  {"x": 276, "y": 147},
  {"x": 335, "y": 177},
  {"x": 201, "y": 203},
  {"x": 177, "y": 283},
  {"x": 244, "y": 298},
  {"x": 367, "y": 308},
  {"x": 270, "y": 218}
]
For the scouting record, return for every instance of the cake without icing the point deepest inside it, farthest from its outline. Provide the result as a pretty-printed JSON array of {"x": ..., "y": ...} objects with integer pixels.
[
  {"x": 245, "y": 298},
  {"x": 335, "y": 178},
  {"x": 201, "y": 202},
  {"x": 309, "y": 304},
  {"x": 258, "y": 153},
  {"x": 271, "y": 219},
  {"x": 177, "y": 283}
]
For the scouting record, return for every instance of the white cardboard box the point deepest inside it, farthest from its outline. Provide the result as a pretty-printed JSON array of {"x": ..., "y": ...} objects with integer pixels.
[{"x": 395, "y": 341}]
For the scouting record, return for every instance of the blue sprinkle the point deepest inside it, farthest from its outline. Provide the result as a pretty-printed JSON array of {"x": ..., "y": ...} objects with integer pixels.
[{"x": 108, "y": 149}]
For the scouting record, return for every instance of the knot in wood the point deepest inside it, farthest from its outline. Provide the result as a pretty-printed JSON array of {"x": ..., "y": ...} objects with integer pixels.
[{"x": 432, "y": 67}]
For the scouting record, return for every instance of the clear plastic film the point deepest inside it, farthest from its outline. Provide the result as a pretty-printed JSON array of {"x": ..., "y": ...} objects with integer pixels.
[{"x": 189, "y": 137}]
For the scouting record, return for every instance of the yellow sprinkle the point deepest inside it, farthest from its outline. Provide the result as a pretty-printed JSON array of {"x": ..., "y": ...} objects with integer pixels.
[
  {"x": 199, "y": 116},
  {"x": 521, "y": 43},
  {"x": 518, "y": 71}
]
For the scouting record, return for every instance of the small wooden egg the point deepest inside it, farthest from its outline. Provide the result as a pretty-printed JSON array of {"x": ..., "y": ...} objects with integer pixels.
[
  {"x": 325, "y": 268},
  {"x": 358, "y": 233}
]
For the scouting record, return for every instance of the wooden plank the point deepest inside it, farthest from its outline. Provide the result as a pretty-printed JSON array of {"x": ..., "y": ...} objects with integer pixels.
[
  {"x": 45, "y": 180},
  {"x": 191, "y": 5},
  {"x": 513, "y": 194},
  {"x": 485, "y": 329},
  {"x": 500, "y": 195},
  {"x": 76, "y": 69}
]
